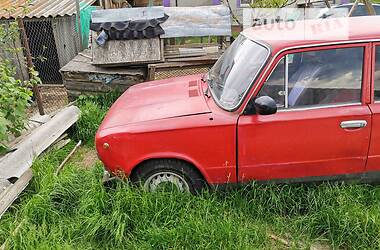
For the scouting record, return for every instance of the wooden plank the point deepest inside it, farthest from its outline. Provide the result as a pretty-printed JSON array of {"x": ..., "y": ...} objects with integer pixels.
[
  {"x": 11, "y": 193},
  {"x": 144, "y": 3},
  {"x": 208, "y": 58},
  {"x": 100, "y": 78},
  {"x": 15, "y": 164},
  {"x": 51, "y": 86},
  {"x": 88, "y": 86},
  {"x": 82, "y": 64},
  {"x": 33, "y": 122},
  {"x": 4, "y": 184},
  {"x": 159, "y": 66},
  {"x": 106, "y": 79},
  {"x": 95, "y": 87},
  {"x": 185, "y": 55},
  {"x": 190, "y": 45},
  {"x": 127, "y": 52},
  {"x": 61, "y": 144}
]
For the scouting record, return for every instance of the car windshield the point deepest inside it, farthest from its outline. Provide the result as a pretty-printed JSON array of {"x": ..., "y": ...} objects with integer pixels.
[{"x": 233, "y": 73}]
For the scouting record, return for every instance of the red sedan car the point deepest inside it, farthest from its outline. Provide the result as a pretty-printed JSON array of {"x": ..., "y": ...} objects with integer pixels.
[{"x": 268, "y": 110}]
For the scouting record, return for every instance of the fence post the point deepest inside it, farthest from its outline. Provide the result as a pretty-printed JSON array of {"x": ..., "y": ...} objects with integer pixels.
[
  {"x": 79, "y": 24},
  {"x": 29, "y": 62}
]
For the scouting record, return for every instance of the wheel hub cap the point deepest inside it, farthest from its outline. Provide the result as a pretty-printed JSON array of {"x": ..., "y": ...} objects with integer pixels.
[{"x": 163, "y": 179}]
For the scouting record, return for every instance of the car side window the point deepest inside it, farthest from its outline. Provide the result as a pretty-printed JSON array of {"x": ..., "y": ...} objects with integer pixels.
[
  {"x": 318, "y": 78},
  {"x": 377, "y": 74}
]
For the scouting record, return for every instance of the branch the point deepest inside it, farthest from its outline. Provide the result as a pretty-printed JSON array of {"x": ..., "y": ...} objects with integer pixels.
[{"x": 226, "y": 2}]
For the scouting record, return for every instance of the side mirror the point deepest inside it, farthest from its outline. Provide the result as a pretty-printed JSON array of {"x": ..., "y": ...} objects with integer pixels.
[{"x": 265, "y": 105}]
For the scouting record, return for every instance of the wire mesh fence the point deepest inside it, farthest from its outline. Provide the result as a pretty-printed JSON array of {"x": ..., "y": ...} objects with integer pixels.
[{"x": 53, "y": 42}]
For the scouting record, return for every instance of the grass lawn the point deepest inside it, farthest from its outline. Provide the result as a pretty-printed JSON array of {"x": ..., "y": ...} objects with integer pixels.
[{"x": 75, "y": 211}]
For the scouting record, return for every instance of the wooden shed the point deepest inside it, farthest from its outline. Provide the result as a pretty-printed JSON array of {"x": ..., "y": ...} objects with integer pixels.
[
  {"x": 81, "y": 77},
  {"x": 109, "y": 66},
  {"x": 51, "y": 29}
]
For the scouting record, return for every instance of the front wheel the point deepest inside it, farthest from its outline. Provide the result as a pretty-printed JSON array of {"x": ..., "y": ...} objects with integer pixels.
[{"x": 168, "y": 175}]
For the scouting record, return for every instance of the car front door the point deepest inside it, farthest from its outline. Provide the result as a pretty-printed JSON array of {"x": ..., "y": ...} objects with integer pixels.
[
  {"x": 373, "y": 164},
  {"x": 323, "y": 124}
]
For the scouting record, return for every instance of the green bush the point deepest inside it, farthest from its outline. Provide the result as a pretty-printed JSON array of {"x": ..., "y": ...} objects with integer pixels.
[
  {"x": 14, "y": 100},
  {"x": 15, "y": 95}
]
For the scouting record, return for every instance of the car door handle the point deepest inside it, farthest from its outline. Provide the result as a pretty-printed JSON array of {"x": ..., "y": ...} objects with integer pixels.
[{"x": 353, "y": 124}]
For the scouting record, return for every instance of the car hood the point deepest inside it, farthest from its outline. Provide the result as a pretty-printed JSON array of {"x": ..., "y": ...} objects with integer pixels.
[{"x": 158, "y": 100}]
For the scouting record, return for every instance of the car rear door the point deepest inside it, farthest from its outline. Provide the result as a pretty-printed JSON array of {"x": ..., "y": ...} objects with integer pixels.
[{"x": 323, "y": 125}]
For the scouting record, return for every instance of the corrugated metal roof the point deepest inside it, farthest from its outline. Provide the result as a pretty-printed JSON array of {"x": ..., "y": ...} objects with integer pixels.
[{"x": 39, "y": 8}]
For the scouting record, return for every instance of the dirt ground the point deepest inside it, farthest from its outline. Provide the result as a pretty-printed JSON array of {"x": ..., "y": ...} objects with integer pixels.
[{"x": 86, "y": 157}]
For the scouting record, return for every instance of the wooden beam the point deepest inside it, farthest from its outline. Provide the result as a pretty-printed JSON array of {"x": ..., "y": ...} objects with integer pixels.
[
  {"x": 10, "y": 194},
  {"x": 15, "y": 164}
]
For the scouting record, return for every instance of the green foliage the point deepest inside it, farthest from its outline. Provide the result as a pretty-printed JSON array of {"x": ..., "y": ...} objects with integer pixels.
[
  {"x": 93, "y": 109},
  {"x": 15, "y": 94},
  {"x": 14, "y": 99},
  {"x": 269, "y": 4},
  {"x": 8, "y": 33}
]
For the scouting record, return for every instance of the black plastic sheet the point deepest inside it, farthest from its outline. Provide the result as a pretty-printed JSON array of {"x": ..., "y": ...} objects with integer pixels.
[{"x": 129, "y": 30}]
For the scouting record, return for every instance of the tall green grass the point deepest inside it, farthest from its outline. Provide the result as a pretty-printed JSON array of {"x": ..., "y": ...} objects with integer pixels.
[
  {"x": 93, "y": 109},
  {"x": 75, "y": 211}
]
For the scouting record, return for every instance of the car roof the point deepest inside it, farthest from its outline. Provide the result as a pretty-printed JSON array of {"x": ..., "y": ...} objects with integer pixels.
[{"x": 349, "y": 29}]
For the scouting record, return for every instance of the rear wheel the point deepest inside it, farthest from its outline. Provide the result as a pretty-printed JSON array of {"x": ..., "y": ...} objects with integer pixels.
[{"x": 168, "y": 175}]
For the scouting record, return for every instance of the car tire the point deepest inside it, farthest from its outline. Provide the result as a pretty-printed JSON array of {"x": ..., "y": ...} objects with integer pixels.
[{"x": 180, "y": 174}]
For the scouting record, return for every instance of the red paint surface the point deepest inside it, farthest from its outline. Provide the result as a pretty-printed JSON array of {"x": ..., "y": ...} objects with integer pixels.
[{"x": 173, "y": 119}]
